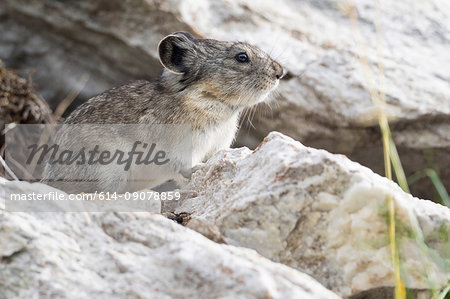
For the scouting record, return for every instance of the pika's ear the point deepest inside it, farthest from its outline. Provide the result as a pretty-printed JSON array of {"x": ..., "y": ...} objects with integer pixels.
[{"x": 176, "y": 52}]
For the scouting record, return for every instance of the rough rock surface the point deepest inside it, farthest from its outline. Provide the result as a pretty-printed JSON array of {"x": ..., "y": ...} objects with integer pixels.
[
  {"x": 322, "y": 214},
  {"x": 323, "y": 101},
  {"x": 133, "y": 255}
]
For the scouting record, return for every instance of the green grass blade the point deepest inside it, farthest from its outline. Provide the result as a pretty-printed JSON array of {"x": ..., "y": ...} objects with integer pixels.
[
  {"x": 444, "y": 293},
  {"x": 397, "y": 165},
  {"x": 431, "y": 173}
]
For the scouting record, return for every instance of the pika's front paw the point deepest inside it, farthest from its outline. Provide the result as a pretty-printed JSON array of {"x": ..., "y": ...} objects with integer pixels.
[
  {"x": 187, "y": 173},
  {"x": 197, "y": 167}
]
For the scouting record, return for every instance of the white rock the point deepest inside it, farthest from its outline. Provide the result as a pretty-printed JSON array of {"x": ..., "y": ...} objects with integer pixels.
[
  {"x": 322, "y": 214},
  {"x": 133, "y": 255}
]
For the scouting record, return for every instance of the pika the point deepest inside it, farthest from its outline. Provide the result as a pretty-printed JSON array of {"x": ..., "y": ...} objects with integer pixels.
[{"x": 205, "y": 84}]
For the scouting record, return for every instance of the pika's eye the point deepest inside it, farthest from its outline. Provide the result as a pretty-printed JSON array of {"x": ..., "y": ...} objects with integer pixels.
[{"x": 242, "y": 57}]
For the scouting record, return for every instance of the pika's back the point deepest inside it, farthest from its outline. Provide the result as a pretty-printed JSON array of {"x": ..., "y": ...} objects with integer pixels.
[{"x": 118, "y": 105}]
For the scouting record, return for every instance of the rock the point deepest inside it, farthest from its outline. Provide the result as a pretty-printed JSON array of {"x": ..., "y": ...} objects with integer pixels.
[
  {"x": 133, "y": 255},
  {"x": 323, "y": 102},
  {"x": 321, "y": 214}
]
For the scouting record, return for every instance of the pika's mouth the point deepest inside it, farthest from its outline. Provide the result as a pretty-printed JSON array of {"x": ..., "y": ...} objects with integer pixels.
[
  {"x": 256, "y": 94},
  {"x": 277, "y": 82},
  {"x": 273, "y": 87}
]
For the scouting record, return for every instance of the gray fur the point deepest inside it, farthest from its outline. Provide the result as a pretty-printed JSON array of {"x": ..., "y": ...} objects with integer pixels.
[{"x": 202, "y": 85}]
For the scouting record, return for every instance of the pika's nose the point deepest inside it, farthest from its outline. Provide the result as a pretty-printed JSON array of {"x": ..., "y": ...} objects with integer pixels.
[{"x": 279, "y": 71}]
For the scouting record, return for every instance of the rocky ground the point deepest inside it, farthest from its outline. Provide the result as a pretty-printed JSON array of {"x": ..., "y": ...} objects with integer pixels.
[{"x": 283, "y": 221}]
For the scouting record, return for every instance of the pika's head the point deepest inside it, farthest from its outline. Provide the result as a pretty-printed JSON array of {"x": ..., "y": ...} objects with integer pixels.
[{"x": 236, "y": 73}]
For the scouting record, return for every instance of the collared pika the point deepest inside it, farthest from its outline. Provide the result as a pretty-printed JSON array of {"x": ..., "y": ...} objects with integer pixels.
[{"x": 205, "y": 84}]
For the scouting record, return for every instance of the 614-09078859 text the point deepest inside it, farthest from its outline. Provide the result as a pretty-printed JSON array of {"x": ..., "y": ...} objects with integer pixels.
[{"x": 106, "y": 196}]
